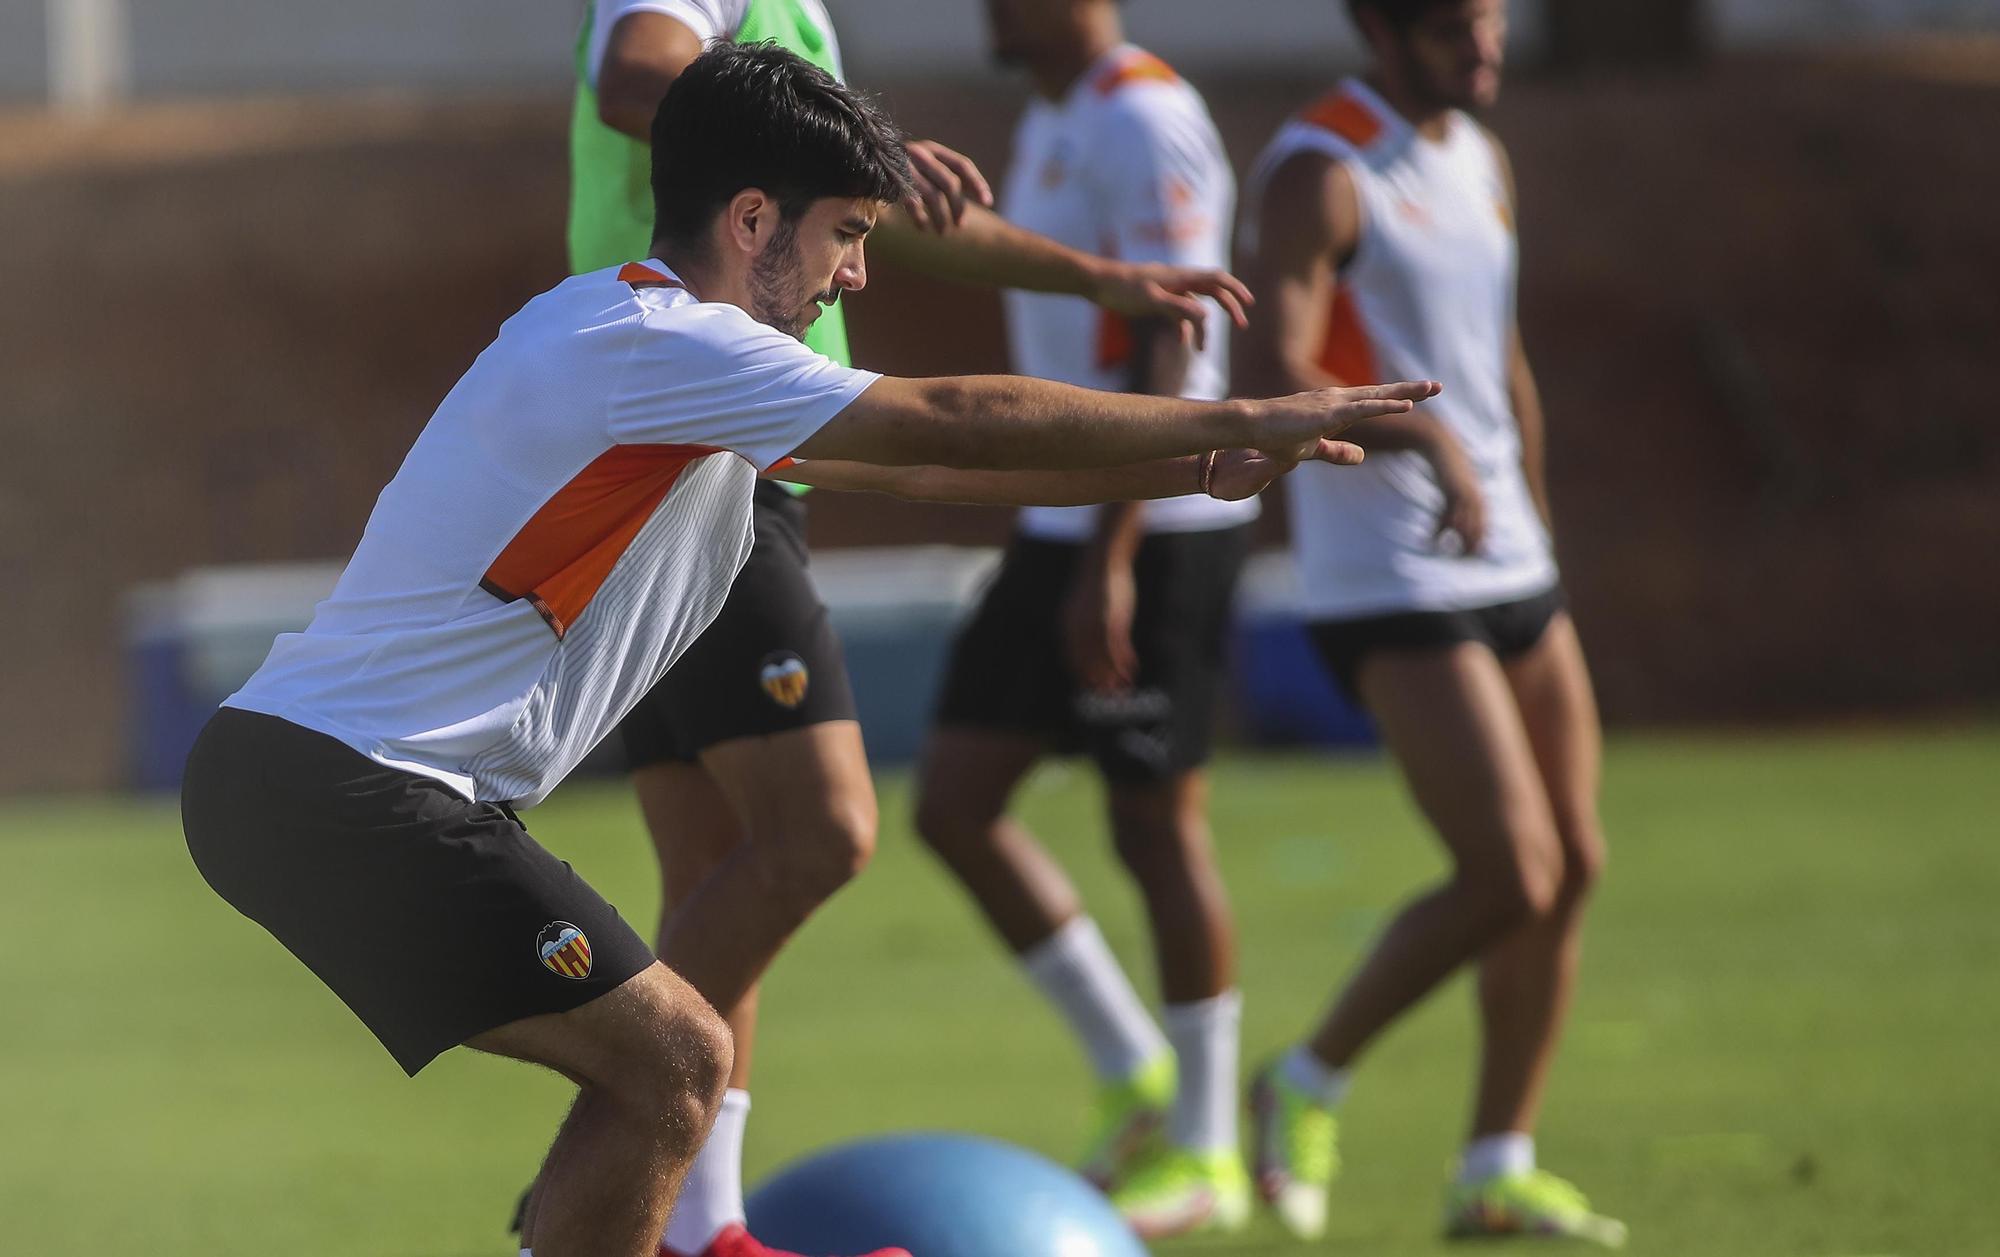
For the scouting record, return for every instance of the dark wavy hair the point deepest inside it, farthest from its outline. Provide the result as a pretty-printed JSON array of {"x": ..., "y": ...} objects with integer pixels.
[{"x": 755, "y": 116}]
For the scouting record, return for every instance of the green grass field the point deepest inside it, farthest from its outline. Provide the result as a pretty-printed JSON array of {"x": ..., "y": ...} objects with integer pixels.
[{"x": 1784, "y": 1044}]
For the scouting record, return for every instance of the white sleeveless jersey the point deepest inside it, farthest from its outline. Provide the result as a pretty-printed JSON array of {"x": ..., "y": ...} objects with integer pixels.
[
  {"x": 1127, "y": 165},
  {"x": 1428, "y": 294}
]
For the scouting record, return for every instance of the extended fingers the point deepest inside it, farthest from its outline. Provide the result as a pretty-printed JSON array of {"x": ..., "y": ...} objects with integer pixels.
[
  {"x": 1188, "y": 311},
  {"x": 1340, "y": 453},
  {"x": 1346, "y": 414},
  {"x": 968, "y": 172},
  {"x": 1403, "y": 390},
  {"x": 939, "y": 186},
  {"x": 1226, "y": 291}
]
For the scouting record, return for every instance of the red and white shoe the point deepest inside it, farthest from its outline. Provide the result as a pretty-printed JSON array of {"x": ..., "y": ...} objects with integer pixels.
[{"x": 734, "y": 1241}]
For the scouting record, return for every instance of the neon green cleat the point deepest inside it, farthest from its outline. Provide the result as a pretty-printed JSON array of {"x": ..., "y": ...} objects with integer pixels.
[
  {"x": 1129, "y": 1114},
  {"x": 1172, "y": 1191},
  {"x": 1535, "y": 1203},
  {"x": 1297, "y": 1154}
]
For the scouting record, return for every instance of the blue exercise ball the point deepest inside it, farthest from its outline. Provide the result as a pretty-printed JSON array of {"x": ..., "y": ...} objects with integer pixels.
[{"x": 938, "y": 1196}]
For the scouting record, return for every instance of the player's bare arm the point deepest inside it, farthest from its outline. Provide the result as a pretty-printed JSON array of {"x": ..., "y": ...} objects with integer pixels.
[
  {"x": 1309, "y": 223},
  {"x": 1231, "y": 475},
  {"x": 1522, "y": 392},
  {"x": 1103, "y": 598},
  {"x": 987, "y": 250},
  {"x": 644, "y": 55},
  {"x": 1526, "y": 398},
  {"x": 1007, "y": 422}
]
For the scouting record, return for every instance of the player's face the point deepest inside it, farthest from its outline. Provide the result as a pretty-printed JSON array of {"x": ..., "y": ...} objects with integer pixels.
[
  {"x": 1018, "y": 28},
  {"x": 810, "y": 261},
  {"x": 1453, "y": 53}
]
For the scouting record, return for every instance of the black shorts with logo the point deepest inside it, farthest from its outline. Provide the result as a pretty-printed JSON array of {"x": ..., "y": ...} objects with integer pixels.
[
  {"x": 769, "y": 664},
  {"x": 1010, "y": 670},
  {"x": 433, "y": 918},
  {"x": 1507, "y": 629}
]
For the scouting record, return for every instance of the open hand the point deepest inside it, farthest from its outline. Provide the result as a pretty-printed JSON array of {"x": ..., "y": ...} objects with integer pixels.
[
  {"x": 1464, "y": 512},
  {"x": 947, "y": 181},
  {"x": 1154, "y": 290},
  {"x": 1283, "y": 425}
]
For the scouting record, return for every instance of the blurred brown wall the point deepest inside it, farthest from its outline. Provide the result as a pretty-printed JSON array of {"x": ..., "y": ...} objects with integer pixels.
[{"x": 1760, "y": 302}]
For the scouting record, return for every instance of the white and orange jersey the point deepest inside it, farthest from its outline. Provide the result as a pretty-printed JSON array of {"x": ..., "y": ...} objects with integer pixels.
[
  {"x": 1127, "y": 165},
  {"x": 568, "y": 521},
  {"x": 1427, "y": 294}
]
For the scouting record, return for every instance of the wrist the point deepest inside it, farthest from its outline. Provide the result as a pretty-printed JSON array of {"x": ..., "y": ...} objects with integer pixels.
[
  {"x": 1093, "y": 276},
  {"x": 1240, "y": 424}
]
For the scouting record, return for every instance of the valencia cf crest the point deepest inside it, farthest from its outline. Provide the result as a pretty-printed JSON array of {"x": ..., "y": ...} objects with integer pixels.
[
  {"x": 564, "y": 950},
  {"x": 784, "y": 678}
]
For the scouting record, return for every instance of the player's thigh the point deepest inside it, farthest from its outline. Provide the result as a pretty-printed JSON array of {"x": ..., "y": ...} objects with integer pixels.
[
  {"x": 969, "y": 774},
  {"x": 1449, "y": 717},
  {"x": 1551, "y": 685},
  {"x": 807, "y": 786},
  {"x": 691, "y": 821},
  {"x": 652, "y": 1019}
]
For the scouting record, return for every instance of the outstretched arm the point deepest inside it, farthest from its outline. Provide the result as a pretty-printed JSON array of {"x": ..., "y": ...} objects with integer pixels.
[
  {"x": 1231, "y": 475},
  {"x": 986, "y": 249},
  {"x": 1008, "y": 422}
]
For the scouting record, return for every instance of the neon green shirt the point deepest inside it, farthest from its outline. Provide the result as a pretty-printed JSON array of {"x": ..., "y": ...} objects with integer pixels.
[{"x": 610, "y": 187}]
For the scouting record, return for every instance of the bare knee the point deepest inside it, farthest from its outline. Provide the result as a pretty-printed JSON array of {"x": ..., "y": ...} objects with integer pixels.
[
  {"x": 676, "y": 1065},
  {"x": 1583, "y": 852},
  {"x": 821, "y": 852},
  {"x": 1521, "y": 885}
]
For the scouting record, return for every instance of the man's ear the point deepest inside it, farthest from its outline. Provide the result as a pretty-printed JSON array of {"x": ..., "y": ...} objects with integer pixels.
[{"x": 749, "y": 220}]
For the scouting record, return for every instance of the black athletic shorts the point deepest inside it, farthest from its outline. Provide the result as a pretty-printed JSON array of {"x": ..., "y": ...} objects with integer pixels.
[
  {"x": 1507, "y": 629},
  {"x": 434, "y": 919},
  {"x": 770, "y": 662},
  {"x": 1010, "y": 670}
]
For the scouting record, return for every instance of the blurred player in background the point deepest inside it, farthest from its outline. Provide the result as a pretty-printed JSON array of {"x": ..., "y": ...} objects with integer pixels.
[
  {"x": 1105, "y": 629},
  {"x": 1380, "y": 226},
  {"x": 764, "y": 696}
]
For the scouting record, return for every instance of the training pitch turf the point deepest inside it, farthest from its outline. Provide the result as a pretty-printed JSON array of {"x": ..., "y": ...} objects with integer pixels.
[{"x": 1784, "y": 1041}]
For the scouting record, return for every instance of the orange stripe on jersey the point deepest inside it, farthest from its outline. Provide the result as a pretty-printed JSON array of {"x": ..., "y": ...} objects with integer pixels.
[
  {"x": 1114, "y": 339},
  {"x": 640, "y": 275},
  {"x": 1346, "y": 354},
  {"x": 1346, "y": 117},
  {"x": 562, "y": 555},
  {"x": 1140, "y": 67}
]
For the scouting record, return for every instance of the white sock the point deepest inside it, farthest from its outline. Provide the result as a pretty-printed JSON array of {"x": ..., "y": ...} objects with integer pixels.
[
  {"x": 1488, "y": 1156},
  {"x": 1205, "y": 1034},
  {"x": 1075, "y": 970},
  {"x": 1314, "y": 1076},
  {"x": 712, "y": 1196}
]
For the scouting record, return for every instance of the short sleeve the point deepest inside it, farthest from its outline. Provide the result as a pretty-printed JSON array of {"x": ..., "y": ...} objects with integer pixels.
[
  {"x": 710, "y": 375},
  {"x": 710, "y": 20},
  {"x": 1164, "y": 190}
]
